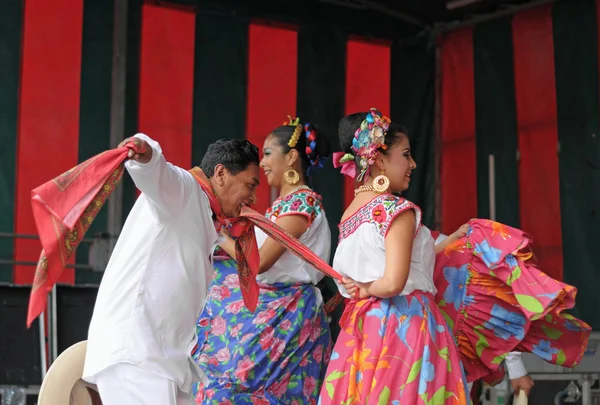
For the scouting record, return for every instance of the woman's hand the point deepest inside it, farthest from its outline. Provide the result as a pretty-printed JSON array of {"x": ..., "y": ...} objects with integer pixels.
[
  {"x": 462, "y": 231},
  {"x": 356, "y": 290},
  {"x": 228, "y": 244}
]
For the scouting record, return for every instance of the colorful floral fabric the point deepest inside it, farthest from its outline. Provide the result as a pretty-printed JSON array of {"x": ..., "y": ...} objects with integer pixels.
[
  {"x": 303, "y": 202},
  {"x": 276, "y": 355},
  {"x": 381, "y": 211},
  {"x": 394, "y": 351},
  {"x": 497, "y": 301}
]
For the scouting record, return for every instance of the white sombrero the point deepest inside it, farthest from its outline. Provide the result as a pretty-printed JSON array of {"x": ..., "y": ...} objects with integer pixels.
[{"x": 63, "y": 384}]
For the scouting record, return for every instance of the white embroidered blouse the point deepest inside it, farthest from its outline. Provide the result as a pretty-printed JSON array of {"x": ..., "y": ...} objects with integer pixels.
[
  {"x": 289, "y": 268},
  {"x": 361, "y": 250}
]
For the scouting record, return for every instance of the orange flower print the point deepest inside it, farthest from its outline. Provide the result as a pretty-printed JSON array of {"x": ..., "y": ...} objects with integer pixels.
[
  {"x": 497, "y": 227},
  {"x": 358, "y": 364},
  {"x": 379, "y": 214},
  {"x": 310, "y": 201},
  {"x": 456, "y": 246}
]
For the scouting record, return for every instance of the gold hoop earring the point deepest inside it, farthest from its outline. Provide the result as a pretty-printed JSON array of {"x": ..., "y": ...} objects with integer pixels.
[
  {"x": 291, "y": 177},
  {"x": 381, "y": 183}
]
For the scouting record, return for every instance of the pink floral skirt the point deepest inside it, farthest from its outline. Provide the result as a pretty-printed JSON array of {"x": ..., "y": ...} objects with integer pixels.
[
  {"x": 394, "y": 351},
  {"x": 496, "y": 301}
]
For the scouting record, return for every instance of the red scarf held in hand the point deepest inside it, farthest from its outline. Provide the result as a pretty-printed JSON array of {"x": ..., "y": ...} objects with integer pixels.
[{"x": 65, "y": 207}]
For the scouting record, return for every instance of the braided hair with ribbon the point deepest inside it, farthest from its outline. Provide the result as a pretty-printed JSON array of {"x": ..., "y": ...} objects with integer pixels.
[{"x": 313, "y": 148}]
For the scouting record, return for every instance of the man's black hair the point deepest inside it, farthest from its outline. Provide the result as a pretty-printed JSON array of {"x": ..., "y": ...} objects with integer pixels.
[{"x": 235, "y": 154}]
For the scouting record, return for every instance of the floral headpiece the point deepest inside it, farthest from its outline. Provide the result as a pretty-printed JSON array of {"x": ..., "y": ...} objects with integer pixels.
[{"x": 369, "y": 138}]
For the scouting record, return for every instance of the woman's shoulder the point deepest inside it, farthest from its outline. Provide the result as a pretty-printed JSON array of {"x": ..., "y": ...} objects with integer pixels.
[{"x": 304, "y": 202}]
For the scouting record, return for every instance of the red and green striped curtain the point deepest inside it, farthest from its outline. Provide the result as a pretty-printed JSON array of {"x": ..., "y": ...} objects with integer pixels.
[
  {"x": 525, "y": 90},
  {"x": 193, "y": 76}
]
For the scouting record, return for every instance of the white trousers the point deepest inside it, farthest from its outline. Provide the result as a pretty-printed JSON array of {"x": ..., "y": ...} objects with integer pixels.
[{"x": 126, "y": 384}]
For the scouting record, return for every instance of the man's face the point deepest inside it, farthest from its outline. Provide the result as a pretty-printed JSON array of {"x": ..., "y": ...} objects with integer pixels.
[{"x": 235, "y": 191}]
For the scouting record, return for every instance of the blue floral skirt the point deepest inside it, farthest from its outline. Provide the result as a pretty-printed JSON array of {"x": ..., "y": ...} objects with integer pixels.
[{"x": 278, "y": 354}]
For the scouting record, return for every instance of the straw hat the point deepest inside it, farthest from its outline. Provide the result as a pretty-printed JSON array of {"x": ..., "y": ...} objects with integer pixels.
[{"x": 63, "y": 384}]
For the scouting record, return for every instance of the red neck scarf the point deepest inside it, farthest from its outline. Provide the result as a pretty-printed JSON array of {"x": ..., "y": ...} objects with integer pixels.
[{"x": 65, "y": 207}]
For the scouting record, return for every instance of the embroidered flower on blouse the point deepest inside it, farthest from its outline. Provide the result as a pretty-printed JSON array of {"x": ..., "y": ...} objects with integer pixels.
[
  {"x": 296, "y": 204},
  {"x": 379, "y": 214}
]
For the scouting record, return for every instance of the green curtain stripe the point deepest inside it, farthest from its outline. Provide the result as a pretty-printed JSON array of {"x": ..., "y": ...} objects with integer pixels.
[
  {"x": 496, "y": 120},
  {"x": 220, "y": 79},
  {"x": 320, "y": 98},
  {"x": 11, "y": 21},
  {"x": 412, "y": 105},
  {"x": 134, "y": 35},
  {"x": 94, "y": 115},
  {"x": 576, "y": 66}
]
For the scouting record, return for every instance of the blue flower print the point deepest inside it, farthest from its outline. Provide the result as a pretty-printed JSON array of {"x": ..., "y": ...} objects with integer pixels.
[
  {"x": 544, "y": 350},
  {"x": 505, "y": 323},
  {"x": 427, "y": 371},
  {"x": 382, "y": 313},
  {"x": 405, "y": 313},
  {"x": 457, "y": 283},
  {"x": 572, "y": 326},
  {"x": 489, "y": 254},
  {"x": 511, "y": 261},
  {"x": 432, "y": 326},
  {"x": 358, "y": 377},
  {"x": 550, "y": 296},
  {"x": 469, "y": 299}
]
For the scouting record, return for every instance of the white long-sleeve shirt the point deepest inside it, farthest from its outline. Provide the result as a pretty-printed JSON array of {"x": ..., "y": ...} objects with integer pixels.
[
  {"x": 514, "y": 365},
  {"x": 156, "y": 281}
]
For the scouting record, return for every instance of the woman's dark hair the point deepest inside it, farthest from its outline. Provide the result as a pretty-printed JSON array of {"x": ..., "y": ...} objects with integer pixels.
[
  {"x": 309, "y": 155},
  {"x": 235, "y": 154},
  {"x": 350, "y": 123}
]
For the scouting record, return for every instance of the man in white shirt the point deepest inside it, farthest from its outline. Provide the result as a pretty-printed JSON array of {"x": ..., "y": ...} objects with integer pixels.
[{"x": 143, "y": 327}]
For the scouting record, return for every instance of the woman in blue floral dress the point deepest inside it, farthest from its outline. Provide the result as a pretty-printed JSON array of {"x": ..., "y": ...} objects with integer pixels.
[{"x": 279, "y": 353}]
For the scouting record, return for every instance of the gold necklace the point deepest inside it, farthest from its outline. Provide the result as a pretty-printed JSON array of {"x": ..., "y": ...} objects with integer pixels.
[
  {"x": 363, "y": 189},
  {"x": 296, "y": 189}
]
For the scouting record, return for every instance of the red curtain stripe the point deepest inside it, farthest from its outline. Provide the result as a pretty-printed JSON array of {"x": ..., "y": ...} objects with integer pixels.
[
  {"x": 458, "y": 155},
  {"x": 272, "y": 78},
  {"x": 538, "y": 136},
  {"x": 48, "y": 112},
  {"x": 167, "y": 80},
  {"x": 368, "y": 79}
]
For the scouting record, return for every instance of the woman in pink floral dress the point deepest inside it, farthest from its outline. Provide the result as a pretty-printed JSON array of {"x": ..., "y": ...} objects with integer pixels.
[{"x": 395, "y": 346}]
